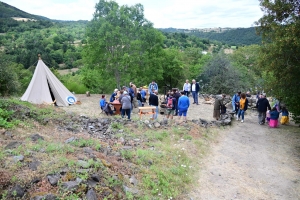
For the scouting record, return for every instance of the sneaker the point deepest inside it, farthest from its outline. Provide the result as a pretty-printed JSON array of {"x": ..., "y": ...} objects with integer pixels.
[
  {"x": 237, "y": 118},
  {"x": 242, "y": 121}
]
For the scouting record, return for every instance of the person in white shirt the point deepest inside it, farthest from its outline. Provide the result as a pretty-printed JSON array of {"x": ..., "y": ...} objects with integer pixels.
[{"x": 187, "y": 88}]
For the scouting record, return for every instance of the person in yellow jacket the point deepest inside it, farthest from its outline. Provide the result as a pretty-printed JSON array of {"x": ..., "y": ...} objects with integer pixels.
[
  {"x": 243, "y": 107},
  {"x": 285, "y": 116}
]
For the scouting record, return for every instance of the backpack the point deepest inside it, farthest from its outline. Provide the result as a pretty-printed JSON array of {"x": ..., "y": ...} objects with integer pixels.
[{"x": 170, "y": 102}]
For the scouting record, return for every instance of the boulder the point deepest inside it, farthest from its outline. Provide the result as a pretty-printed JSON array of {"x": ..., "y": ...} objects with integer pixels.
[
  {"x": 70, "y": 185},
  {"x": 36, "y": 137},
  {"x": 17, "y": 191},
  {"x": 70, "y": 140},
  {"x": 45, "y": 197},
  {"x": 91, "y": 195},
  {"x": 156, "y": 124},
  {"x": 53, "y": 178},
  {"x": 19, "y": 158},
  {"x": 83, "y": 164},
  {"x": 13, "y": 145}
]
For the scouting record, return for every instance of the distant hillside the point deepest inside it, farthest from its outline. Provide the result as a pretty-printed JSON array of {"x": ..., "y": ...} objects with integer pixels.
[
  {"x": 8, "y": 11},
  {"x": 234, "y": 37}
]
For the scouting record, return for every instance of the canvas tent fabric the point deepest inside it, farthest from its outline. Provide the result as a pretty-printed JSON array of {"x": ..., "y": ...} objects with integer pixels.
[{"x": 43, "y": 80}]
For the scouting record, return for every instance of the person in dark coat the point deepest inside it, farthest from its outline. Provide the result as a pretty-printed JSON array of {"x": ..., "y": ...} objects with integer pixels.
[
  {"x": 177, "y": 95},
  {"x": 262, "y": 106},
  {"x": 153, "y": 101}
]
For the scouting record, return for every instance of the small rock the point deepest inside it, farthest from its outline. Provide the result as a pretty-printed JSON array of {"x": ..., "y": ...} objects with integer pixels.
[
  {"x": 83, "y": 164},
  {"x": 122, "y": 140},
  {"x": 91, "y": 195},
  {"x": 91, "y": 183},
  {"x": 136, "y": 140},
  {"x": 70, "y": 185},
  {"x": 7, "y": 135},
  {"x": 96, "y": 177},
  {"x": 131, "y": 190},
  {"x": 53, "y": 179},
  {"x": 156, "y": 125},
  {"x": 36, "y": 137},
  {"x": 127, "y": 147},
  {"x": 33, "y": 165},
  {"x": 78, "y": 180},
  {"x": 46, "y": 197},
  {"x": 18, "y": 158},
  {"x": 70, "y": 140},
  {"x": 17, "y": 191},
  {"x": 121, "y": 131},
  {"x": 88, "y": 150},
  {"x": 146, "y": 122},
  {"x": 35, "y": 180},
  {"x": 13, "y": 145},
  {"x": 133, "y": 180}
]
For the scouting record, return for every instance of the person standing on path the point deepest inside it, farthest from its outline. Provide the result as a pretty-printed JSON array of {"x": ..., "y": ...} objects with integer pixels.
[
  {"x": 134, "y": 101},
  {"x": 235, "y": 102},
  {"x": 177, "y": 95},
  {"x": 195, "y": 88},
  {"x": 217, "y": 107},
  {"x": 187, "y": 88},
  {"x": 171, "y": 107},
  {"x": 262, "y": 106},
  {"x": 153, "y": 101},
  {"x": 243, "y": 105},
  {"x": 126, "y": 105},
  {"x": 152, "y": 87},
  {"x": 183, "y": 106}
]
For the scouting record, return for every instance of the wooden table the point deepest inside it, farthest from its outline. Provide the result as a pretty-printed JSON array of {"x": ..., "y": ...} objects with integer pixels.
[
  {"x": 150, "y": 110},
  {"x": 117, "y": 107}
]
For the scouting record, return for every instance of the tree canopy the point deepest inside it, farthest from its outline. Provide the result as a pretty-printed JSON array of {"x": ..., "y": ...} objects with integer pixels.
[{"x": 279, "y": 55}]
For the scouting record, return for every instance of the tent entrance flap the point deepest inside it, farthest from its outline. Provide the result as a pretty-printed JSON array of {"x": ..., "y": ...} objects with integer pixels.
[{"x": 51, "y": 93}]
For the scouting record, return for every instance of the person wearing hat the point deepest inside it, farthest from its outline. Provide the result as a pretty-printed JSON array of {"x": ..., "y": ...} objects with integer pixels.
[
  {"x": 126, "y": 105},
  {"x": 113, "y": 95}
]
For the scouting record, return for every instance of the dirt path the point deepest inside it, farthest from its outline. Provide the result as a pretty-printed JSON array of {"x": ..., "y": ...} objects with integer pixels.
[{"x": 250, "y": 161}]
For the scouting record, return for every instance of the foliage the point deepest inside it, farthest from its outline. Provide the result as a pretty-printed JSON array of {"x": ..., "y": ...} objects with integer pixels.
[
  {"x": 279, "y": 55},
  {"x": 220, "y": 76},
  {"x": 122, "y": 44}
]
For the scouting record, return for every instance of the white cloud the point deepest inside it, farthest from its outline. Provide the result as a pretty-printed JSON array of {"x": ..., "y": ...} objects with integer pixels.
[{"x": 163, "y": 13}]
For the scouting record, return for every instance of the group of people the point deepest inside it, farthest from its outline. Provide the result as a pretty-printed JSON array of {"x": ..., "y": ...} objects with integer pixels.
[{"x": 265, "y": 112}]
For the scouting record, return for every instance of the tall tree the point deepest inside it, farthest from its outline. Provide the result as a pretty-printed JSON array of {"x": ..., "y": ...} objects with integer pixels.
[
  {"x": 279, "y": 55},
  {"x": 122, "y": 44}
]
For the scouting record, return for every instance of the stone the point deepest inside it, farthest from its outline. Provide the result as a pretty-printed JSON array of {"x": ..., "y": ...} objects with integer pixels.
[
  {"x": 136, "y": 140},
  {"x": 91, "y": 195},
  {"x": 96, "y": 177},
  {"x": 87, "y": 150},
  {"x": 83, "y": 164},
  {"x": 133, "y": 180},
  {"x": 121, "y": 131},
  {"x": 13, "y": 145},
  {"x": 33, "y": 165},
  {"x": 127, "y": 147},
  {"x": 72, "y": 139},
  {"x": 131, "y": 190},
  {"x": 91, "y": 183},
  {"x": 156, "y": 125},
  {"x": 45, "y": 197},
  {"x": 122, "y": 140},
  {"x": 35, "y": 180},
  {"x": 8, "y": 135},
  {"x": 70, "y": 185},
  {"x": 19, "y": 158},
  {"x": 146, "y": 122},
  {"x": 36, "y": 137},
  {"x": 17, "y": 191},
  {"x": 53, "y": 178},
  {"x": 227, "y": 122}
]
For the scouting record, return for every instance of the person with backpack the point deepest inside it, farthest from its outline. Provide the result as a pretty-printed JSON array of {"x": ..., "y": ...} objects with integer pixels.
[
  {"x": 126, "y": 105},
  {"x": 170, "y": 105}
]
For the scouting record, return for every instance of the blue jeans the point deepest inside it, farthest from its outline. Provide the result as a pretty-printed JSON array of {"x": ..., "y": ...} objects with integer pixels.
[
  {"x": 195, "y": 97},
  {"x": 241, "y": 112},
  {"x": 140, "y": 103},
  {"x": 156, "y": 112},
  {"x": 186, "y": 93},
  {"x": 127, "y": 112}
]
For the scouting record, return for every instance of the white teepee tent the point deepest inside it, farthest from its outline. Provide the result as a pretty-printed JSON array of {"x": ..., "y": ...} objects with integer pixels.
[{"x": 42, "y": 84}]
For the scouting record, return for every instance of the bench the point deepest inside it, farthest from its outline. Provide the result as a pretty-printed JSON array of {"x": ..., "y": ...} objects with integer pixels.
[{"x": 146, "y": 111}]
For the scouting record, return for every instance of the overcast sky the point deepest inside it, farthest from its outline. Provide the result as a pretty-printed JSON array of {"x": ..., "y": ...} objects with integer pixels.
[{"x": 162, "y": 13}]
